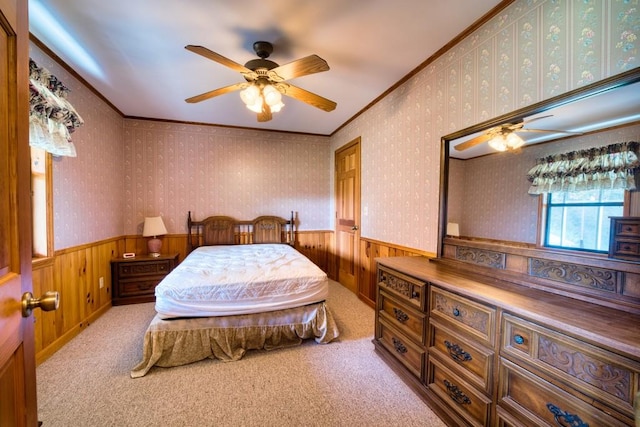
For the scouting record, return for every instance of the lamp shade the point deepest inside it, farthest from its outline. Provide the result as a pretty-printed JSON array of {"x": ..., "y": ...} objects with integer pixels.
[
  {"x": 453, "y": 229},
  {"x": 153, "y": 226}
]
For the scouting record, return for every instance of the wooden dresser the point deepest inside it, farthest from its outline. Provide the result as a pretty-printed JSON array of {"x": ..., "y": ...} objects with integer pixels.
[
  {"x": 624, "y": 241},
  {"x": 134, "y": 280},
  {"x": 485, "y": 352}
]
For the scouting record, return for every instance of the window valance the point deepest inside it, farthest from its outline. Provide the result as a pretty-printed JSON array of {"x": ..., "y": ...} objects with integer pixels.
[
  {"x": 609, "y": 167},
  {"x": 52, "y": 118}
]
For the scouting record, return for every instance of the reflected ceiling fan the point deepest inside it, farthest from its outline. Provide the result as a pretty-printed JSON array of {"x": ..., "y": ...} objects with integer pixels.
[
  {"x": 504, "y": 137},
  {"x": 266, "y": 81}
]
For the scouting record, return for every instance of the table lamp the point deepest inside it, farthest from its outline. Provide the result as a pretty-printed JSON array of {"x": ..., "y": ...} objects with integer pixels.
[{"x": 154, "y": 227}]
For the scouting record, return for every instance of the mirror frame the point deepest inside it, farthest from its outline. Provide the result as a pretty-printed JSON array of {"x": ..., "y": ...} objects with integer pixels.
[{"x": 610, "y": 83}]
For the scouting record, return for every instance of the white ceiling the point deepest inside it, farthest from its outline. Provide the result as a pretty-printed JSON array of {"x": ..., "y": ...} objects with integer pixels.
[{"x": 132, "y": 51}]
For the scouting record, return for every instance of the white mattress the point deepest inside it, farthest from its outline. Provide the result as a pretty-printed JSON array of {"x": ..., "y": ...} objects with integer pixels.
[{"x": 240, "y": 279}]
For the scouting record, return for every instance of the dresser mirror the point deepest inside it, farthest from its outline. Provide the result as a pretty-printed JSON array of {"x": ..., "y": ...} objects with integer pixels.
[{"x": 502, "y": 211}]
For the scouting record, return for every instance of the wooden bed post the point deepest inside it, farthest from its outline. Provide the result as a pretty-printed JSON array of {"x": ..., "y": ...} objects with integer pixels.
[
  {"x": 189, "y": 242},
  {"x": 292, "y": 241}
]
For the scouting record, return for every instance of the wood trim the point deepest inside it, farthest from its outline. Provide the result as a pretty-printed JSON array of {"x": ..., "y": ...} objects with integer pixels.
[
  {"x": 72, "y": 249},
  {"x": 477, "y": 24},
  {"x": 400, "y": 247}
]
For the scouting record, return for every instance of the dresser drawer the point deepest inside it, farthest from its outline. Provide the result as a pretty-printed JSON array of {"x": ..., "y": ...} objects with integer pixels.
[
  {"x": 535, "y": 402},
  {"x": 626, "y": 247},
  {"x": 625, "y": 226},
  {"x": 473, "y": 360},
  {"x": 594, "y": 372},
  {"x": 406, "y": 351},
  {"x": 405, "y": 287},
  {"x": 470, "y": 403},
  {"x": 130, "y": 288},
  {"x": 468, "y": 315},
  {"x": 133, "y": 269},
  {"x": 406, "y": 319},
  {"x": 598, "y": 374}
]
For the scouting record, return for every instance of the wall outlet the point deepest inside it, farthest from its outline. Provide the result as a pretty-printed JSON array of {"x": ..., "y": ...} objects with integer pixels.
[{"x": 101, "y": 282}]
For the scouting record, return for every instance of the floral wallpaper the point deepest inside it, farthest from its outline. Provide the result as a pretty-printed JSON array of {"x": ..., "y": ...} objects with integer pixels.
[
  {"x": 87, "y": 189},
  {"x": 531, "y": 51},
  {"x": 170, "y": 169},
  {"x": 126, "y": 169}
]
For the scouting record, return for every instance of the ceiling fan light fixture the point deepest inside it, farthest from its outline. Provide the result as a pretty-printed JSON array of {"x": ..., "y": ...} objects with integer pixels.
[
  {"x": 254, "y": 98},
  {"x": 506, "y": 141}
]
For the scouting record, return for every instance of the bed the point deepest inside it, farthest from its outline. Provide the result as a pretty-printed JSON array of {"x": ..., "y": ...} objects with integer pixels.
[{"x": 241, "y": 287}]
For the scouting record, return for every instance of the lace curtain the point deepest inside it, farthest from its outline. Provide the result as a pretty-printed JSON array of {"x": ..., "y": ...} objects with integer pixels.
[
  {"x": 52, "y": 118},
  {"x": 610, "y": 167}
]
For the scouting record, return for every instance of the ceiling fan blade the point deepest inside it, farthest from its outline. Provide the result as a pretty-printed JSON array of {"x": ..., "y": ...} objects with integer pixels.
[
  {"x": 537, "y": 118},
  {"x": 473, "y": 142},
  {"x": 304, "y": 66},
  {"x": 308, "y": 97},
  {"x": 265, "y": 115},
  {"x": 215, "y": 92},
  {"x": 564, "y": 132},
  {"x": 209, "y": 54}
]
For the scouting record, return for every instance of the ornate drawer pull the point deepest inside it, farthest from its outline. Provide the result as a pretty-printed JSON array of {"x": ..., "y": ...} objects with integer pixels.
[
  {"x": 456, "y": 312},
  {"x": 565, "y": 419},
  {"x": 400, "y": 348},
  {"x": 401, "y": 316},
  {"x": 518, "y": 339},
  {"x": 456, "y": 394},
  {"x": 457, "y": 353},
  {"x": 415, "y": 294}
]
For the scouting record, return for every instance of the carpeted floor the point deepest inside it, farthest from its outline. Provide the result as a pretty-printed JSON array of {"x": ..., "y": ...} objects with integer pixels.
[{"x": 343, "y": 383}]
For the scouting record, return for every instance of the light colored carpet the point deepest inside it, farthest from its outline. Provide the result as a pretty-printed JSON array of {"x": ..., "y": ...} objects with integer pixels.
[{"x": 343, "y": 383}]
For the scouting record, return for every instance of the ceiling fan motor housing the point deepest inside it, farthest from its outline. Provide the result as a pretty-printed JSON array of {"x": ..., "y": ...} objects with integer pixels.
[{"x": 263, "y": 49}]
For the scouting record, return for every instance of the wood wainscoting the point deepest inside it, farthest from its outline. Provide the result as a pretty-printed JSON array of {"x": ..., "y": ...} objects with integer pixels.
[
  {"x": 75, "y": 274},
  {"x": 369, "y": 251}
]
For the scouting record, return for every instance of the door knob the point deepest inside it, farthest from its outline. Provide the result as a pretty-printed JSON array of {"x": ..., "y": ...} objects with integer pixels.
[
  {"x": 354, "y": 228},
  {"x": 47, "y": 302}
]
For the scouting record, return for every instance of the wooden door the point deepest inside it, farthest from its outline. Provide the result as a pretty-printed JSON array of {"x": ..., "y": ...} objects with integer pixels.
[
  {"x": 347, "y": 160},
  {"x": 17, "y": 355}
]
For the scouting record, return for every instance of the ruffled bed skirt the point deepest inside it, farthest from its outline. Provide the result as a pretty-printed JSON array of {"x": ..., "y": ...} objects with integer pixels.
[{"x": 178, "y": 342}]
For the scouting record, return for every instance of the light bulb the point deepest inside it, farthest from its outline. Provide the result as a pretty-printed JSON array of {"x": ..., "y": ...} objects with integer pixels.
[
  {"x": 277, "y": 107},
  {"x": 271, "y": 96},
  {"x": 514, "y": 141},
  {"x": 256, "y": 107},
  {"x": 250, "y": 95},
  {"x": 499, "y": 143}
]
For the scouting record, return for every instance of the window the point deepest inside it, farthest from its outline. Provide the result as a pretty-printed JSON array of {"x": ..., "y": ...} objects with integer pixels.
[
  {"x": 41, "y": 196},
  {"x": 580, "y": 220}
]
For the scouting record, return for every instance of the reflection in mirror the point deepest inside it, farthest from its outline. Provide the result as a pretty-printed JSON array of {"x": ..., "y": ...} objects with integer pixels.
[{"x": 486, "y": 193}]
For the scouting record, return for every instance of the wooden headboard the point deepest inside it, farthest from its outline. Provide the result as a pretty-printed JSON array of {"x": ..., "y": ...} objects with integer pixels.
[{"x": 225, "y": 230}]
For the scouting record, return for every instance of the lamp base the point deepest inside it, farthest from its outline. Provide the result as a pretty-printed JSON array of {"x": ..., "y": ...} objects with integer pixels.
[{"x": 154, "y": 245}]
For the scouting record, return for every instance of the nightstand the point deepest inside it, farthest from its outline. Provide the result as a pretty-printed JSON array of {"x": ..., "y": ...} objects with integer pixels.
[{"x": 134, "y": 280}]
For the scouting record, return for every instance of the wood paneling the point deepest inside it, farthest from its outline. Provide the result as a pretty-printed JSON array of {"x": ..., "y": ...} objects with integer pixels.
[
  {"x": 74, "y": 273},
  {"x": 369, "y": 251},
  {"x": 316, "y": 245}
]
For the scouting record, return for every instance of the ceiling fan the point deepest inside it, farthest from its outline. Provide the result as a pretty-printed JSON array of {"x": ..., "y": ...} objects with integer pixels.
[
  {"x": 504, "y": 137},
  {"x": 266, "y": 80}
]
